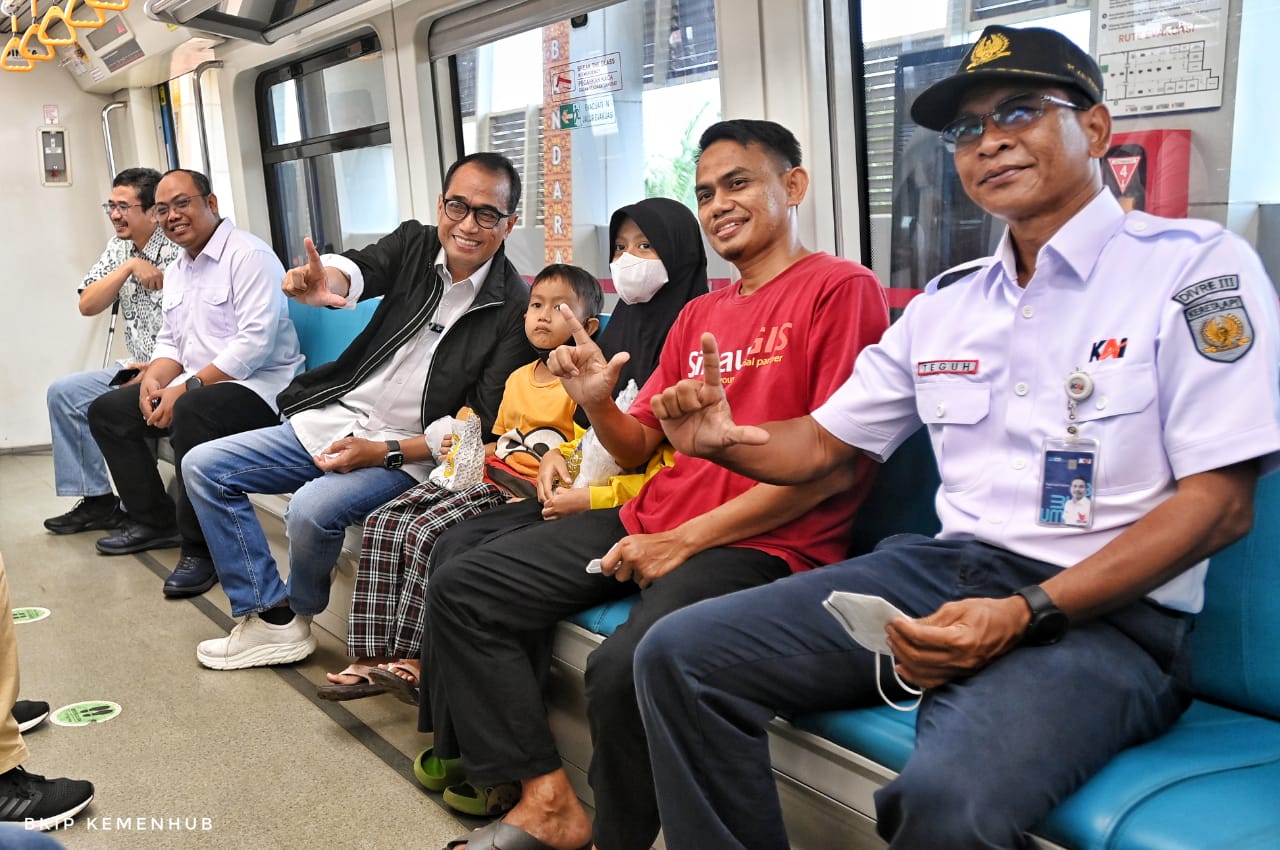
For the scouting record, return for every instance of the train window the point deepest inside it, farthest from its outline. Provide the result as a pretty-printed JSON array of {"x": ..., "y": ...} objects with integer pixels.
[
  {"x": 217, "y": 166},
  {"x": 191, "y": 110},
  {"x": 597, "y": 106},
  {"x": 188, "y": 138},
  {"x": 1172, "y": 81},
  {"x": 326, "y": 146}
]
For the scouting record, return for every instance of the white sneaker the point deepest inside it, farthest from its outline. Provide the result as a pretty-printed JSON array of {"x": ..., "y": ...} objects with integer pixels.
[{"x": 256, "y": 643}]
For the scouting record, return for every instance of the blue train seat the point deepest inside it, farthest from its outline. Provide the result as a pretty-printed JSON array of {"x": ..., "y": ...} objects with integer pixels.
[
  {"x": 323, "y": 334},
  {"x": 1211, "y": 781}
]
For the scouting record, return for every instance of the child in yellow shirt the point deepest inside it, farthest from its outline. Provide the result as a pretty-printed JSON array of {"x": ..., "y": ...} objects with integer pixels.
[{"x": 535, "y": 416}]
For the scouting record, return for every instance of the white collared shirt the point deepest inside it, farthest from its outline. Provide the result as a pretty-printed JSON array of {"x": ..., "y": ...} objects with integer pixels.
[
  {"x": 387, "y": 405},
  {"x": 984, "y": 363},
  {"x": 226, "y": 307}
]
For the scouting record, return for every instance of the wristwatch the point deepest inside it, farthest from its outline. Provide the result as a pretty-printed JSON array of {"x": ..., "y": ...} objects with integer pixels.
[
  {"x": 194, "y": 383},
  {"x": 395, "y": 457},
  {"x": 1048, "y": 623}
]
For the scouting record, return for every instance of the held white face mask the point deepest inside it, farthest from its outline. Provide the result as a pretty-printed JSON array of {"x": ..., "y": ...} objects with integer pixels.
[{"x": 637, "y": 279}]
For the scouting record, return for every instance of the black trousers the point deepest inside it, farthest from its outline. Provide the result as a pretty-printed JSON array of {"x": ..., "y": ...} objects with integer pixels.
[
  {"x": 200, "y": 415},
  {"x": 493, "y": 523},
  {"x": 489, "y": 612}
]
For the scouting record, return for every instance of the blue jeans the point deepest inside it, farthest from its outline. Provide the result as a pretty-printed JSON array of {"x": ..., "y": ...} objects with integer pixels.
[
  {"x": 995, "y": 752},
  {"x": 220, "y": 475},
  {"x": 78, "y": 466},
  {"x": 17, "y": 837}
]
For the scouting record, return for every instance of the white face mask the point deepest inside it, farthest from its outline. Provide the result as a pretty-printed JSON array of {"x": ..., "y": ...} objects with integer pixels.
[{"x": 637, "y": 279}]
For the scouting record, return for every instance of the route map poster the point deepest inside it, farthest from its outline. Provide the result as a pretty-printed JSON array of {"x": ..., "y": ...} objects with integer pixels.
[{"x": 1163, "y": 56}]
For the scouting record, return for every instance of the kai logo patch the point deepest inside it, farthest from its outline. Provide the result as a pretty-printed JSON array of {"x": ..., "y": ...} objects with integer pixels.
[
  {"x": 1218, "y": 321},
  {"x": 1105, "y": 349},
  {"x": 989, "y": 49}
]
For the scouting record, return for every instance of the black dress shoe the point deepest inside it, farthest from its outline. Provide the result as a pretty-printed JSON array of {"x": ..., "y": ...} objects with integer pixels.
[
  {"x": 136, "y": 537},
  {"x": 192, "y": 577},
  {"x": 90, "y": 513}
]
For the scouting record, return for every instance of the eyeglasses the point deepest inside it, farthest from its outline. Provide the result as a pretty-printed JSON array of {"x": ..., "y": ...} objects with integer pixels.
[
  {"x": 123, "y": 209},
  {"x": 160, "y": 211},
  {"x": 1015, "y": 114},
  {"x": 486, "y": 217}
]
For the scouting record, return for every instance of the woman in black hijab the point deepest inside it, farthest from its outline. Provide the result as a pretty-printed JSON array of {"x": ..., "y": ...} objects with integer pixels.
[{"x": 641, "y": 328}]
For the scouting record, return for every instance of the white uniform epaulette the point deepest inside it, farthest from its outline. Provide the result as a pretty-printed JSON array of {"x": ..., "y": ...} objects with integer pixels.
[
  {"x": 1144, "y": 225},
  {"x": 958, "y": 272}
]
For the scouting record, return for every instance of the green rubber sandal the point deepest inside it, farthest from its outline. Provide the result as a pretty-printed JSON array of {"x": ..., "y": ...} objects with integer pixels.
[
  {"x": 437, "y": 774},
  {"x": 488, "y": 801}
]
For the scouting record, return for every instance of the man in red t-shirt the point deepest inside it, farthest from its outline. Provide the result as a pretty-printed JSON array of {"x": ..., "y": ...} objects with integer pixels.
[{"x": 789, "y": 331}]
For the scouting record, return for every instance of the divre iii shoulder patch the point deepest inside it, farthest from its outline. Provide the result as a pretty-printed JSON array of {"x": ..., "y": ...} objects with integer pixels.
[{"x": 1218, "y": 321}]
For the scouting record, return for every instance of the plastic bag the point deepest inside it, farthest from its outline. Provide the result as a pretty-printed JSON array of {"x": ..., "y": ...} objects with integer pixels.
[
  {"x": 463, "y": 466},
  {"x": 437, "y": 431},
  {"x": 596, "y": 466}
]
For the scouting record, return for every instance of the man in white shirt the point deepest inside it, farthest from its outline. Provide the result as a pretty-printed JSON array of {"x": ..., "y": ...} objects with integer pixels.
[
  {"x": 448, "y": 332},
  {"x": 226, "y": 348},
  {"x": 1078, "y": 509},
  {"x": 1043, "y": 649},
  {"x": 130, "y": 272}
]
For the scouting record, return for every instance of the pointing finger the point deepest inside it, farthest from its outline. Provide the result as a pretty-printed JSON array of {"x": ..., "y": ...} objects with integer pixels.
[
  {"x": 710, "y": 361},
  {"x": 580, "y": 335},
  {"x": 313, "y": 257}
]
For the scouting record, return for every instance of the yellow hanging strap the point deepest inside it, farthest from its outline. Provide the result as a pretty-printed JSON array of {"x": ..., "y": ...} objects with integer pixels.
[
  {"x": 51, "y": 16},
  {"x": 6, "y": 61},
  {"x": 118, "y": 6},
  {"x": 83, "y": 23},
  {"x": 33, "y": 33}
]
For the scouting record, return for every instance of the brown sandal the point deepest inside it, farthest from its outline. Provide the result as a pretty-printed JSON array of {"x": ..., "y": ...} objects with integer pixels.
[
  {"x": 356, "y": 690},
  {"x": 405, "y": 690}
]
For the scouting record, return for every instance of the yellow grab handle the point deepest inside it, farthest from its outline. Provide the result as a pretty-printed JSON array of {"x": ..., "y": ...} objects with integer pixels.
[
  {"x": 14, "y": 44},
  {"x": 118, "y": 6},
  {"x": 51, "y": 16},
  {"x": 83, "y": 24},
  {"x": 24, "y": 48}
]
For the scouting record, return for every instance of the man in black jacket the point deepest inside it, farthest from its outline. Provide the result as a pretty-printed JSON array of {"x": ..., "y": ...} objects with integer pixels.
[{"x": 449, "y": 331}]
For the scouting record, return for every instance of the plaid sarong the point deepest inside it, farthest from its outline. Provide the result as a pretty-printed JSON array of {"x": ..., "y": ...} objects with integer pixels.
[{"x": 388, "y": 606}]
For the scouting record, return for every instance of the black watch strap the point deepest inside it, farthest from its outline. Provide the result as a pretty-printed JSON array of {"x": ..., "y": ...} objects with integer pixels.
[{"x": 1048, "y": 623}]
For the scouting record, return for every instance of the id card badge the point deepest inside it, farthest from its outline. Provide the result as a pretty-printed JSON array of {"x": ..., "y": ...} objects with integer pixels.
[{"x": 1066, "y": 482}]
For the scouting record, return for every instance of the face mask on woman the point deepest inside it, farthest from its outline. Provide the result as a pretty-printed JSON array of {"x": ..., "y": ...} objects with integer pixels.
[{"x": 637, "y": 279}]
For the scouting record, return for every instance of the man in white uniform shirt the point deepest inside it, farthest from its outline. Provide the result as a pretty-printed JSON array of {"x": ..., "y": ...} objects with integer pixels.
[
  {"x": 1092, "y": 337},
  {"x": 226, "y": 348},
  {"x": 448, "y": 332}
]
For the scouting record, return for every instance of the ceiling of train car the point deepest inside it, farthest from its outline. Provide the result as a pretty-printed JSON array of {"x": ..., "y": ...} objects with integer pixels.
[
  {"x": 263, "y": 21},
  {"x": 22, "y": 9}
]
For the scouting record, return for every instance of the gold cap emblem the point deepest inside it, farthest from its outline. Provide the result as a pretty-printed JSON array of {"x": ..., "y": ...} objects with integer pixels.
[{"x": 991, "y": 47}]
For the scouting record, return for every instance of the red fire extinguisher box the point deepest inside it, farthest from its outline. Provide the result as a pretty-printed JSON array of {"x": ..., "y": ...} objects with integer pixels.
[{"x": 1149, "y": 170}]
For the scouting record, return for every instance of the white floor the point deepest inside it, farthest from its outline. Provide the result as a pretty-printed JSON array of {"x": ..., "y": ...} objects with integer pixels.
[{"x": 221, "y": 759}]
